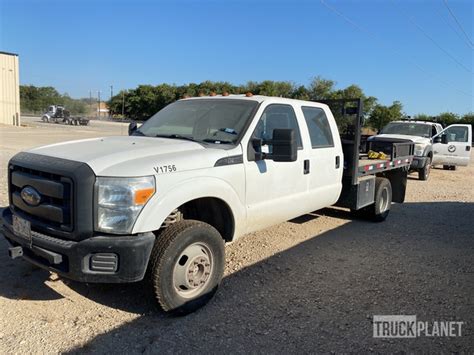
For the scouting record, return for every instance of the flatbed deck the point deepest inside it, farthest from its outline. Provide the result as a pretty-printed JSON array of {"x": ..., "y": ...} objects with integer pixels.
[{"x": 371, "y": 166}]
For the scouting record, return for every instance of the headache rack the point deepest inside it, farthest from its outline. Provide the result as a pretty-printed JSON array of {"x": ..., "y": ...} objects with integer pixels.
[{"x": 360, "y": 171}]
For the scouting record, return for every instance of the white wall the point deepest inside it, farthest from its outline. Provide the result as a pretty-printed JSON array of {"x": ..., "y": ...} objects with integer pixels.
[{"x": 9, "y": 89}]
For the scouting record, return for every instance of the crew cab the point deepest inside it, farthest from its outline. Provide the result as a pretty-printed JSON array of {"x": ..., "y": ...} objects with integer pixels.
[
  {"x": 418, "y": 132},
  {"x": 162, "y": 202}
]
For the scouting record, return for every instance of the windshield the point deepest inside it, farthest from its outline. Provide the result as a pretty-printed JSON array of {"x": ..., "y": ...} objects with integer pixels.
[
  {"x": 407, "y": 128},
  {"x": 213, "y": 121}
]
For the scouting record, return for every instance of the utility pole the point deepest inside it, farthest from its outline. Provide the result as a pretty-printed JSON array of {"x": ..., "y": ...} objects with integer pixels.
[
  {"x": 98, "y": 104},
  {"x": 111, "y": 95},
  {"x": 123, "y": 104},
  {"x": 90, "y": 102}
]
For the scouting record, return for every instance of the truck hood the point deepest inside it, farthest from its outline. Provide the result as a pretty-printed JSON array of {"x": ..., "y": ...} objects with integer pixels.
[
  {"x": 414, "y": 139},
  {"x": 135, "y": 155}
]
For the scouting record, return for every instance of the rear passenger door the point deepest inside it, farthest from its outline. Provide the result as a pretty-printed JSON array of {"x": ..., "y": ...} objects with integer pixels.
[{"x": 325, "y": 158}]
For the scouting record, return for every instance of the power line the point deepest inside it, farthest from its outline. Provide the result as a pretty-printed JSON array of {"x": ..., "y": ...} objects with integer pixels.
[
  {"x": 410, "y": 18},
  {"x": 419, "y": 67},
  {"x": 457, "y": 22},
  {"x": 438, "y": 10}
]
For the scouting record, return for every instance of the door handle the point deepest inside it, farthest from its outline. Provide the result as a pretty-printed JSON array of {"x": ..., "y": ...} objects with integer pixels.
[
  {"x": 306, "y": 167},
  {"x": 338, "y": 161}
]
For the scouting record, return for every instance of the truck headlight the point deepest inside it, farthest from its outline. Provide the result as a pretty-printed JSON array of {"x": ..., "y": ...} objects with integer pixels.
[
  {"x": 419, "y": 149},
  {"x": 119, "y": 201}
]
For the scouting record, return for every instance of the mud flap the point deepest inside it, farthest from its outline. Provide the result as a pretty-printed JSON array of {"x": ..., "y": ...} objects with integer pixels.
[{"x": 398, "y": 180}]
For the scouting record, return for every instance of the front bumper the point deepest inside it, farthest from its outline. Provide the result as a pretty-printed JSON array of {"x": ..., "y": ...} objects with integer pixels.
[
  {"x": 101, "y": 258},
  {"x": 418, "y": 163}
]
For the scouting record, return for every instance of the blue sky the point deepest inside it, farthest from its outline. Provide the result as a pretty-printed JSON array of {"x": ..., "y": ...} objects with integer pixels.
[{"x": 77, "y": 46}]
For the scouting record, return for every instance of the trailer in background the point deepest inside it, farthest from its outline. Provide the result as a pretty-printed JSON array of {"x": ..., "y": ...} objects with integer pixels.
[{"x": 58, "y": 114}]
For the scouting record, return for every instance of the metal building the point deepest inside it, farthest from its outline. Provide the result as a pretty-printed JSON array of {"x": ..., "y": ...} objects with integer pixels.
[{"x": 9, "y": 89}]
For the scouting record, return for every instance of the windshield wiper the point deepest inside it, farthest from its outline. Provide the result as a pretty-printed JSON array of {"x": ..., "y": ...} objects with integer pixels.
[{"x": 177, "y": 136}]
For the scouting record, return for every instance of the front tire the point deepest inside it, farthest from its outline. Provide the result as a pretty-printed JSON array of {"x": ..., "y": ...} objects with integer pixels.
[
  {"x": 424, "y": 173},
  {"x": 186, "y": 266}
]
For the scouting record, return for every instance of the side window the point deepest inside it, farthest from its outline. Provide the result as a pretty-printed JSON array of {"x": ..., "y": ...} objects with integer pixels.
[
  {"x": 318, "y": 127},
  {"x": 277, "y": 116},
  {"x": 433, "y": 131},
  {"x": 457, "y": 134}
]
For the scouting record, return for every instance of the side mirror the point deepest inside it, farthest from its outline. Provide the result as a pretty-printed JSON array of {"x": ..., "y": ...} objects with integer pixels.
[
  {"x": 443, "y": 139},
  {"x": 284, "y": 148},
  {"x": 256, "y": 154},
  {"x": 132, "y": 127}
]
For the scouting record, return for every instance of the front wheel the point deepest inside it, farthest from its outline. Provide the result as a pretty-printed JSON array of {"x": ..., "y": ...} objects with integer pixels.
[
  {"x": 424, "y": 173},
  {"x": 186, "y": 266}
]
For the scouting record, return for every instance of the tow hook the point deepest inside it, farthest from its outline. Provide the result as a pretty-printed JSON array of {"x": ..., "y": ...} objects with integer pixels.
[{"x": 15, "y": 252}]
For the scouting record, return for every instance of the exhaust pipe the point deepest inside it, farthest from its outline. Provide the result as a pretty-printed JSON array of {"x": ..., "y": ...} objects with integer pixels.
[{"x": 15, "y": 252}]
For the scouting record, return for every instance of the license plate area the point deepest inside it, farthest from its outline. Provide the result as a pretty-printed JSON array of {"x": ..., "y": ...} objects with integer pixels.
[{"x": 22, "y": 228}]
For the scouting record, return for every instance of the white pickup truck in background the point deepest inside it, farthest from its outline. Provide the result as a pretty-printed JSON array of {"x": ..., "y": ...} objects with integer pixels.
[
  {"x": 434, "y": 145},
  {"x": 161, "y": 203}
]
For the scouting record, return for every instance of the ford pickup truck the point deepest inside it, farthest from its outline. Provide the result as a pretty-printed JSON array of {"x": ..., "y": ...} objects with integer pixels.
[
  {"x": 434, "y": 145},
  {"x": 161, "y": 203}
]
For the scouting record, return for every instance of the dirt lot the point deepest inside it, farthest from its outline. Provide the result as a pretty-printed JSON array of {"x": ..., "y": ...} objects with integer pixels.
[{"x": 308, "y": 285}]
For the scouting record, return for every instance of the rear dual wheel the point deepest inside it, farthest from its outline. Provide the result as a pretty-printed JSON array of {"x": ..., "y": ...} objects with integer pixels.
[
  {"x": 186, "y": 266},
  {"x": 379, "y": 210}
]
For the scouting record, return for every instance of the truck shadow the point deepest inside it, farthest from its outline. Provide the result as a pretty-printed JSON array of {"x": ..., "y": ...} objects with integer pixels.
[{"x": 320, "y": 295}]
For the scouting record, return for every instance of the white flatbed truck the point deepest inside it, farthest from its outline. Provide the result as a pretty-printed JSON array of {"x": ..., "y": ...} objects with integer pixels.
[{"x": 161, "y": 203}]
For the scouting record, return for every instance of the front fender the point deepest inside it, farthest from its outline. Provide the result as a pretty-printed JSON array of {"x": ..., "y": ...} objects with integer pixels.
[
  {"x": 160, "y": 206},
  {"x": 428, "y": 151}
]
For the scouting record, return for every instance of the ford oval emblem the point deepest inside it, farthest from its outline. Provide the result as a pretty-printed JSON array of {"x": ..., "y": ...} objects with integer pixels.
[{"x": 30, "y": 196}]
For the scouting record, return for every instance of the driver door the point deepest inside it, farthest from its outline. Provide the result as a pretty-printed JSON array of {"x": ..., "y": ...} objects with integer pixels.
[
  {"x": 275, "y": 191},
  {"x": 456, "y": 149}
]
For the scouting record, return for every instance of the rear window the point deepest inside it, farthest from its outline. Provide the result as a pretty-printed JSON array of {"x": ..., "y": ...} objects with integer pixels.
[{"x": 318, "y": 127}]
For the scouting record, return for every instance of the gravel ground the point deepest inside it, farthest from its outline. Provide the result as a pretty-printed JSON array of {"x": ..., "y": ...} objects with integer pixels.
[{"x": 309, "y": 285}]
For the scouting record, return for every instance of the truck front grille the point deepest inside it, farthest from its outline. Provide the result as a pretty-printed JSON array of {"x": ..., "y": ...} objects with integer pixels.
[{"x": 55, "y": 208}]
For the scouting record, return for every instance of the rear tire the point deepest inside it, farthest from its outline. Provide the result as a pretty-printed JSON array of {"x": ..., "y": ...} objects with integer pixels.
[
  {"x": 186, "y": 266},
  {"x": 424, "y": 173},
  {"x": 379, "y": 210},
  {"x": 449, "y": 167}
]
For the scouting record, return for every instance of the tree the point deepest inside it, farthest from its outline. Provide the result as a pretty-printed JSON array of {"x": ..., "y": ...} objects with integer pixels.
[
  {"x": 423, "y": 117},
  {"x": 320, "y": 89},
  {"x": 447, "y": 118},
  {"x": 381, "y": 115},
  {"x": 37, "y": 99},
  {"x": 468, "y": 118}
]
